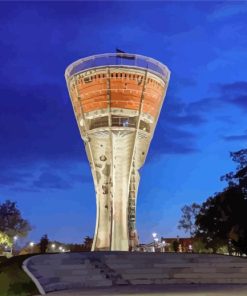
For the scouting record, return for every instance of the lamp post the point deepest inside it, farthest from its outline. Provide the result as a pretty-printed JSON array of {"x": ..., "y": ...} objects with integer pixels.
[
  {"x": 13, "y": 245},
  {"x": 154, "y": 234},
  {"x": 156, "y": 240},
  {"x": 31, "y": 244},
  {"x": 164, "y": 245},
  {"x": 53, "y": 246}
]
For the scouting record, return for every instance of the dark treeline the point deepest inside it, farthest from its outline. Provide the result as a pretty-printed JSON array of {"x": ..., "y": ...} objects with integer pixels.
[{"x": 220, "y": 223}]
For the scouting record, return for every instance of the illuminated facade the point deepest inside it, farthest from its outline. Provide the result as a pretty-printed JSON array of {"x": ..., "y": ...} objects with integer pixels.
[{"x": 116, "y": 99}]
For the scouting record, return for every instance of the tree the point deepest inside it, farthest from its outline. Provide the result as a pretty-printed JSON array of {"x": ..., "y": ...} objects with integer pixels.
[
  {"x": 44, "y": 241},
  {"x": 5, "y": 240},
  {"x": 222, "y": 220},
  {"x": 76, "y": 247},
  {"x": 187, "y": 221},
  {"x": 88, "y": 242},
  {"x": 11, "y": 221},
  {"x": 175, "y": 245},
  {"x": 238, "y": 178}
]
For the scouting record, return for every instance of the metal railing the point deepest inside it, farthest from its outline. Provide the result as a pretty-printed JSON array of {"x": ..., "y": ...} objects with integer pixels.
[{"x": 120, "y": 60}]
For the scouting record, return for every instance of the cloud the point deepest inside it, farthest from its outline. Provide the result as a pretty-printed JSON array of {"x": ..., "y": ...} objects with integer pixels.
[
  {"x": 173, "y": 140},
  {"x": 52, "y": 175},
  {"x": 225, "y": 11},
  {"x": 205, "y": 105},
  {"x": 235, "y": 93},
  {"x": 175, "y": 132},
  {"x": 234, "y": 138},
  {"x": 15, "y": 177},
  {"x": 51, "y": 181},
  {"x": 234, "y": 87},
  {"x": 176, "y": 112},
  {"x": 240, "y": 101},
  {"x": 34, "y": 124},
  {"x": 193, "y": 119}
]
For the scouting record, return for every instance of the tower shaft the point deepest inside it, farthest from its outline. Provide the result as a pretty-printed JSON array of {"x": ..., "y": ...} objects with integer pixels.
[{"x": 116, "y": 107}]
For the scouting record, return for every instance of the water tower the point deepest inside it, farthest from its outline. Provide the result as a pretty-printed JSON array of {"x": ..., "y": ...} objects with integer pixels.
[{"x": 117, "y": 99}]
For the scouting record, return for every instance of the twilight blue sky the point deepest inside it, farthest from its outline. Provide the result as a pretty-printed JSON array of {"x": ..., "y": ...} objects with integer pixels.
[{"x": 42, "y": 158}]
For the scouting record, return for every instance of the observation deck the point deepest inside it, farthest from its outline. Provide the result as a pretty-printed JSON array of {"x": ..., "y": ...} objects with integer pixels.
[{"x": 110, "y": 82}]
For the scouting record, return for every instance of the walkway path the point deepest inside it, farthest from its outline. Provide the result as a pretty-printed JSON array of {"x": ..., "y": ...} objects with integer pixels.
[{"x": 160, "y": 290}]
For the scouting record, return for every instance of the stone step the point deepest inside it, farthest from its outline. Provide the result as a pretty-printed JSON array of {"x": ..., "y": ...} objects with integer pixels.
[
  {"x": 205, "y": 271},
  {"x": 191, "y": 269},
  {"x": 47, "y": 280},
  {"x": 132, "y": 276},
  {"x": 72, "y": 271},
  {"x": 211, "y": 275},
  {"x": 89, "y": 277},
  {"x": 225, "y": 265},
  {"x": 174, "y": 259},
  {"x": 145, "y": 263},
  {"x": 60, "y": 272},
  {"x": 187, "y": 281},
  {"x": 129, "y": 276},
  {"x": 71, "y": 283},
  {"x": 61, "y": 286},
  {"x": 62, "y": 267}
]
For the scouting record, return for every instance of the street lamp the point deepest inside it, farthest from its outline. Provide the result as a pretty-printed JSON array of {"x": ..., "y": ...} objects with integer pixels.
[
  {"x": 53, "y": 246},
  {"x": 60, "y": 249},
  {"x": 31, "y": 244},
  {"x": 154, "y": 234},
  {"x": 14, "y": 241},
  {"x": 164, "y": 245}
]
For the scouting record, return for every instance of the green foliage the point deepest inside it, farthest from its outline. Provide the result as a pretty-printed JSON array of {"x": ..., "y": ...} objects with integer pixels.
[
  {"x": 3, "y": 258},
  {"x": 175, "y": 246},
  {"x": 11, "y": 221},
  {"x": 220, "y": 223},
  {"x": 44, "y": 242},
  {"x": 222, "y": 218},
  {"x": 199, "y": 246},
  {"x": 76, "y": 247},
  {"x": 187, "y": 221},
  {"x": 5, "y": 240},
  {"x": 88, "y": 242},
  {"x": 13, "y": 280}
]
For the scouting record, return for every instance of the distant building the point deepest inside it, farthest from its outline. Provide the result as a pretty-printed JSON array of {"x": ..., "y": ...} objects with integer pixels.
[
  {"x": 166, "y": 245},
  {"x": 185, "y": 243}
]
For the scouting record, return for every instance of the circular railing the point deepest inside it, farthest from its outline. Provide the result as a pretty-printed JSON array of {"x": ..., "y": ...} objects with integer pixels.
[{"x": 117, "y": 60}]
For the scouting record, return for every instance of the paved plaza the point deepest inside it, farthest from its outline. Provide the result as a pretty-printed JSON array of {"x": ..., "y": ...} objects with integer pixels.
[{"x": 159, "y": 290}]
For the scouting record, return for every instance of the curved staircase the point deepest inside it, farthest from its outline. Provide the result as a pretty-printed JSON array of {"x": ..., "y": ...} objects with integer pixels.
[{"x": 53, "y": 272}]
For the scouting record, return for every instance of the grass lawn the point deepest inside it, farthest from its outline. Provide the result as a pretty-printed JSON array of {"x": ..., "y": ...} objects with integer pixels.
[
  {"x": 2, "y": 259},
  {"x": 13, "y": 280}
]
